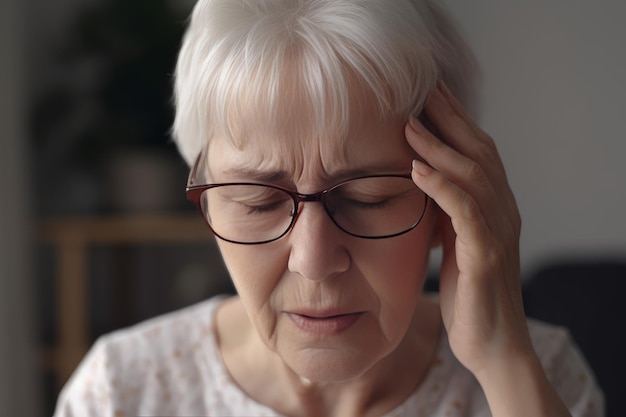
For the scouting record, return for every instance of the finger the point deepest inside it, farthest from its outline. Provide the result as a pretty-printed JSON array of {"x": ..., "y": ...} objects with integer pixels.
[
  {"x": 462, "y": 171},
  {"x": 459, "y": 131},
  {"x": 458, "y": 107},
  {"x": 466, "y": 215},
  {"x": 470, "y": 246}
]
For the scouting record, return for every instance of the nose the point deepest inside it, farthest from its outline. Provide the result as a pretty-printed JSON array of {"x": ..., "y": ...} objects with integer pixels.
[{"x": 318, "y": 251}]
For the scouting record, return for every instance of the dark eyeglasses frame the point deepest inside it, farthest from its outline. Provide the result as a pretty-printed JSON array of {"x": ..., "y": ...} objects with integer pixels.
[{"x": 194, "y": 194}]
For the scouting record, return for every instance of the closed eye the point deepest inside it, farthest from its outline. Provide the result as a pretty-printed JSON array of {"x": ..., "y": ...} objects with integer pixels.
[
  {"x": 264, "y": 208},
  {"x": 371, "y": 204}
]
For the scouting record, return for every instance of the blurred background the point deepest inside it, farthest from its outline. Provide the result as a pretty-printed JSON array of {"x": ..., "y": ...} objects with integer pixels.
[{"x": 95, "y": 233}]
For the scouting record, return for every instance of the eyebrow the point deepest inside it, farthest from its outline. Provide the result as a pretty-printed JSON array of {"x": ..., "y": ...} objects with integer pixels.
[
  {"x": 256, "y": 175},
  {"x": 275, "y": 176},
  {"x": 344, "y": 174},
  {"x": 382, "y": 169}
]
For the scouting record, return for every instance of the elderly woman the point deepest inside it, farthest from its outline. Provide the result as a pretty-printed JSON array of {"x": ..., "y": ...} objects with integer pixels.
[{"x": 329, "y": 158}]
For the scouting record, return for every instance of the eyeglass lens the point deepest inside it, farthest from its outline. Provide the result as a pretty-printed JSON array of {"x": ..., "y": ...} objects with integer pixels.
[{"x": 366, "y": 207}]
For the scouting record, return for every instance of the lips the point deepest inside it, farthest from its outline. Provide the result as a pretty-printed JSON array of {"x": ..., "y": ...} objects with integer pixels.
[{"x": 323, "y": 324}]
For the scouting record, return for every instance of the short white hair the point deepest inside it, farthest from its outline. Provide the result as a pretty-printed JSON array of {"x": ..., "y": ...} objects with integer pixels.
[{"x": 246, "y": 55}]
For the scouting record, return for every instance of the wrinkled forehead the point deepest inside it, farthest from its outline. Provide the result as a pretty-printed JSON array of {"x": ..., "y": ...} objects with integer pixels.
[
  {"x": 294, "y": 149},
  {"x": 289, "y": 135},
  {"x": 273, "y": 159}
]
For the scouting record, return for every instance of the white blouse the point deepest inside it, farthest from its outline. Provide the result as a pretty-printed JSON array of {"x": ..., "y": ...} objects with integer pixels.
[{"x": 171, "y": 366}]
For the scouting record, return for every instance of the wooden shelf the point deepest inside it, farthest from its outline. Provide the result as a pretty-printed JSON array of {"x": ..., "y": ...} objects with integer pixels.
[{"x": 71, "y": 237}]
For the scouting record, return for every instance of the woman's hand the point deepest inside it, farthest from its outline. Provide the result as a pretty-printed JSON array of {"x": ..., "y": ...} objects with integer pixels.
[
  {"x": 480, "y": 288},
  {"x": 479, "y": 224}
]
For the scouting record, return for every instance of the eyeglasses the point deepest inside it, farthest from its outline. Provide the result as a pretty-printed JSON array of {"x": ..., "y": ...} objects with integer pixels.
[{"x": 370, "y": 207}]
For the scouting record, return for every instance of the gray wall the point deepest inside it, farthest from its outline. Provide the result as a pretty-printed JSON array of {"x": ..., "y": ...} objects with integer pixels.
[{"x": 553, "y": 94}]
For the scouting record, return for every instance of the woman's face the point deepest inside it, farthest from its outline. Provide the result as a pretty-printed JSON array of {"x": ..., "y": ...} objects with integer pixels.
[{"x": 329, "y": 304}]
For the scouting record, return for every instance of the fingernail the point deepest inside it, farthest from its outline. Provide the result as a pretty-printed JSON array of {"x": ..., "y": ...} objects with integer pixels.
[{"x": 420, "y": 168}]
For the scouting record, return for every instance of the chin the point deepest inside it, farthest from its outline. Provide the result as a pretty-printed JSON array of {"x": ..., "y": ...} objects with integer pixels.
[{"x": 328, "y": 366}]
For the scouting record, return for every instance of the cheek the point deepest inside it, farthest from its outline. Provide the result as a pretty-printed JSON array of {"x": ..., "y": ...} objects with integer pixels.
[
  {"x": 401, "y": 281},
  {"x": 255, "y": 271},
  {"x": 396, "y": 271}
]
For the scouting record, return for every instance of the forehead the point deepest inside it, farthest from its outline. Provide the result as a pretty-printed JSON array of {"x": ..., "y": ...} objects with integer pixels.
[
  {"x": 286, "y": 135},
  {"x": 297, "y": 156}
]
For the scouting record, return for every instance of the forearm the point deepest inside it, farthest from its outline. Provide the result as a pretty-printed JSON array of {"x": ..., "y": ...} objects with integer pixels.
[{"x": 520, "y": 388}]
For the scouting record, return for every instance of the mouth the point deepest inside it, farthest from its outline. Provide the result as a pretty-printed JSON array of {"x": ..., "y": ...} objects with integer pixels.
[{"x": 322, "y": 324}]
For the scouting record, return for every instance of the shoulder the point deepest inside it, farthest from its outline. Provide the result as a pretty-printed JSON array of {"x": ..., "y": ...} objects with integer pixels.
[
  {"x": 163, "y": 336},
  {"x": 158, "y": 364},
  {"x": 450, "y": 389},
  {"x": 168, "y": 341},
  {"x": 566, "y": 368},
  {"x": 556, "y": 350}
]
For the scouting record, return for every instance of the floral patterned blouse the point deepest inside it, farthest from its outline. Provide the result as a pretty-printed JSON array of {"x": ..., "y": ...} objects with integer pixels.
[{"x": 171, "y": 366}]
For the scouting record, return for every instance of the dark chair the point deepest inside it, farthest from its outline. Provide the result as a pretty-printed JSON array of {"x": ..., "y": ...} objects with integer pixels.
[{"x": 589, "y": 298}]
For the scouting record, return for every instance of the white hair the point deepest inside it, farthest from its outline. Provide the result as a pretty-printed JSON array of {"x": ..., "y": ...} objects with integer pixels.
[{"x": 259, "y": 56}]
